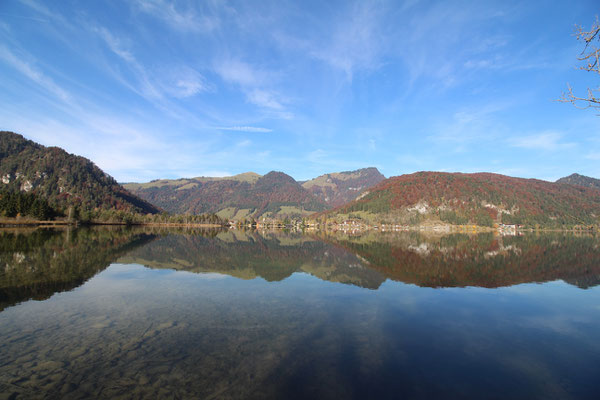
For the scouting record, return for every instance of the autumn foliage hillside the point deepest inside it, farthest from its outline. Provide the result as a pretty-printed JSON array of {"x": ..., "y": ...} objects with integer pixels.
[
  {"x": 64, "y": 180},
  {"x": 479, "y": 198}
]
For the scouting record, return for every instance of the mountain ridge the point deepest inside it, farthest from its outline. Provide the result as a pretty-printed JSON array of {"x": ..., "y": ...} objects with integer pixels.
[
  {"x": 478, "y": 198},
  {"x": 62, "y": 178},
  {"x": 242, "y": 196},
  {"x": 66, "y": 180},
  {"x": 250, "y": 195}
]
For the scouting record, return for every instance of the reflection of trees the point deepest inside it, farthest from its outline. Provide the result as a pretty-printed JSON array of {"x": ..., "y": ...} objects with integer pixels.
[
  {"x": 248, "y": 255},
  {"x": 36, "y": 264},
  {"x": 366, "y": 260},
  {"x": 481, "y": 260}
]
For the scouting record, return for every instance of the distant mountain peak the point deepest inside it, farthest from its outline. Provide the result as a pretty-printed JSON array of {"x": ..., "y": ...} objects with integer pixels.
[
  {"x": 337, "y": 188},
  {"x": 277, "y": 176},
  {"x": 580, "y": 180}
]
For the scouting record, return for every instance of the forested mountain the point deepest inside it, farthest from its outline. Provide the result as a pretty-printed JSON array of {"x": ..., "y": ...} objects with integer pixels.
[
  {"x": 61, "y": 178},
  {"x": 481, "y": 198},
  {"x": 339, "y": 188},
  {"x": 44, "y": 181},
  {"x": 580, "y": 180},
  {"x": 251, "y": 195},
  {"x": 242, "y": 196}
]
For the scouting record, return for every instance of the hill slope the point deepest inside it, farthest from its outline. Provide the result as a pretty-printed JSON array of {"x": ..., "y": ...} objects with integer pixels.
[
  {"x": 339, "y": 188},
  {"x": 63, "y": 179},
  {"x": 580, "y": 180},
  {"x": 481, "y": 198},
  {"x": 246, "y": 195}
]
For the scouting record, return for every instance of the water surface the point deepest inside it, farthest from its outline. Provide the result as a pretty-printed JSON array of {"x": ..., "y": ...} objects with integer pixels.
[{"x": 231, "y": 314}]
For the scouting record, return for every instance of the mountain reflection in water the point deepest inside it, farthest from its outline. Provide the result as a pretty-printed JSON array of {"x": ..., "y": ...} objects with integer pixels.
[
  {"x": 456, "y": 260},
  {"x": 181, "y": 314}
]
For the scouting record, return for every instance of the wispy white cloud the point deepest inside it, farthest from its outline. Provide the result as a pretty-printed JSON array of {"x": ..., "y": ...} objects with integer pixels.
[
  {"x": 241, "y": 73},
  {"x": 32, "y": 72},
  {"x": 470, "y": 125},
  {"x": 357, "y": 41},
  {"x": 254, "y": 83},
  {"x": 549, "y": 141},
  {"x": 120, "y": 48},
  {"x": 177, "y": 17},
  {"x": 115, "y": 44},
  {"x": 25, "y": 17},
  {"x": 265, "y": 99},
  {"x": 437, "y": 42},
  {"x": 481, "y": 63},
  {"x": 183, "y": 81},
  {"x": 43, "y": 10},
  {"x": 179, "y": 81},
  {"x": 244, "y": 129}
]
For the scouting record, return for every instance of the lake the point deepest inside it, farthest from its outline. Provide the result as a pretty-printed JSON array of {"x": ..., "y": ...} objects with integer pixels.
[{"x": 220, "y": 314}]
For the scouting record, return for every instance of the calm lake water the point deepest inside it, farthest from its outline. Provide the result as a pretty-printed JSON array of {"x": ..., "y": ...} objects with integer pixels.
[{"x": 114, "y": 313}]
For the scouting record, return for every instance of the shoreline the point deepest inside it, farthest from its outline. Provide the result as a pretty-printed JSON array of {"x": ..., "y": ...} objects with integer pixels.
[
  {"x": 441, "y": 228},
  {"x": 50, "y": 224}
]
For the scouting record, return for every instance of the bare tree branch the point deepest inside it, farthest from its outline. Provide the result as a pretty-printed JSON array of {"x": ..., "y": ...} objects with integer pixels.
[{"x": 591, "y": 56}]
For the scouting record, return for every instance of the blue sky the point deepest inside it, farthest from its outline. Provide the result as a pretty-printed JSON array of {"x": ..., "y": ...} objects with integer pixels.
[{"x": 158, "y": 89}]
